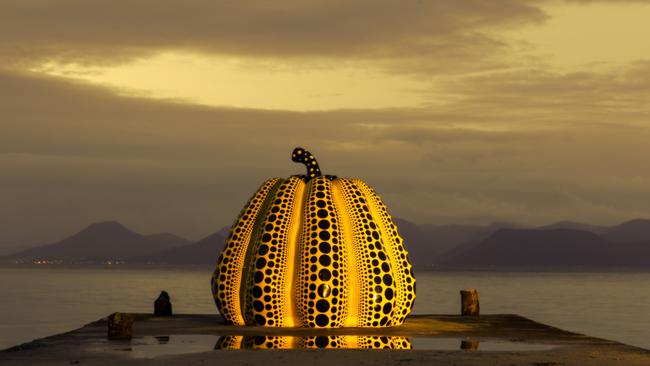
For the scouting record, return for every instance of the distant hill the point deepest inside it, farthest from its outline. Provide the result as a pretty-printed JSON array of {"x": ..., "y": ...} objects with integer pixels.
[
  {"x": 172, "y": 240},
  {"x": 633, "y": 231},
  {"x": 575, "y": 226},
  {"x": 521, "y": 248},
  {"x": 205, "y": 251},
  {"x": 99, "y": 242},
  {"x": 477, "y": 237},
  {"x": 429, "y": 244}
]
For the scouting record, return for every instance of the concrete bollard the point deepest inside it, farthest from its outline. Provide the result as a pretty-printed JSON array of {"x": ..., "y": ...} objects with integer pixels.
[
  {"x": 120, "y": 326},
  {"x": 163, "y": 305},
  {"x": 469, "y": 302}
]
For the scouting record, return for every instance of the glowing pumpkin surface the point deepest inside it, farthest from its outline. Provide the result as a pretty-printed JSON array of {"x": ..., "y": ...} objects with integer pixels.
[{"x": 314, "y": 251}]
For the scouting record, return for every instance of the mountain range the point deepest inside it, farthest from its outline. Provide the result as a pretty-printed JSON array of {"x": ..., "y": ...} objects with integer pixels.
[
  {"x": 498, "y": 245},
  {"x": 504, "y": 245},
  {"x": 102, "y": 241}
]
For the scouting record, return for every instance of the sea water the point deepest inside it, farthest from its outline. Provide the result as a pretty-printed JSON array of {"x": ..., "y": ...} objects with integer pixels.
[{"x": 38, "y": 301}]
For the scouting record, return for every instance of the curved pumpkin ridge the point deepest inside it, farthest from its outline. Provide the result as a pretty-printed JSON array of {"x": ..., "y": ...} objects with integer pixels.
[
  {"x": 394, "y": 245},
  {"x": 322, "y": 272},
  {"x": 349, "y": 253},
  {"x": 376, "y": 283},
  {"x": 227, "y": 277},
  {"x": 273, "y": 259},
  {"x": 294, "y": 237},
  {"x": 245, "y": 288}
]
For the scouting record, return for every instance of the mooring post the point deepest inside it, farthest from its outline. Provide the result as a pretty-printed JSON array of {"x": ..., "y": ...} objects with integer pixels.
[
  {"x": 469, "y": 302},
  {"x": 163, "y": 305},
  {"x": 120, "y": 326},
  {"x": 469, "y": 345}
]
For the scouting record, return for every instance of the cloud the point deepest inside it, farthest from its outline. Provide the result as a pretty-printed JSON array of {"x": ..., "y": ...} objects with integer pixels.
[
  {"x": 543, "y": 97},
  {"x": 79, "y": 30},
  {"x": 160, "y": 165}
]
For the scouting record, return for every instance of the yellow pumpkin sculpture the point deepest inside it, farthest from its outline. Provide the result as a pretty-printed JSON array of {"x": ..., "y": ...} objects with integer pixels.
[{"x": 314, "y": 251}]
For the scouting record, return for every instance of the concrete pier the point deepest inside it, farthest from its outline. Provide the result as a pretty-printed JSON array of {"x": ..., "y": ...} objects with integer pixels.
[{"x": 434, "y": 339}]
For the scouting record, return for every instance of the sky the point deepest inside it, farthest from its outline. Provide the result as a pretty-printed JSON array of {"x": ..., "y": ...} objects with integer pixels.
[{"x": 168, "y": 115}]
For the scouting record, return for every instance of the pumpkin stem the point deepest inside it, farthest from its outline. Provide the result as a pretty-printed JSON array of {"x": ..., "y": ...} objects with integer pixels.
[{"x": 303, "y": 156}]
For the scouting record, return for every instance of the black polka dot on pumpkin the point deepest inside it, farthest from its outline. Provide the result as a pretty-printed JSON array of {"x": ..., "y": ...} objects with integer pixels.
[
  {"x": 388, "y": 280},
  {"x": 324, "y": 247},
  {"x": 258, "y": 305},
  {"x": 389, "y": 294},
  {"x": 325, "y": 260},
  {"x": 322, "y": 320},
  {"x": 260, "y": 320},
  {"x": 324, "y": 274},
  {"x": 259, "y": 276},
  {"x": 321, "y": 342},
  {"x": 322, "y": 305},
  {"x": 257, "y": 291}
]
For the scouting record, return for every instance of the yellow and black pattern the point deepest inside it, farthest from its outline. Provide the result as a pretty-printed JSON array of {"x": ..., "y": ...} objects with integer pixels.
[
  {"x": 229, "y": 342},
  {"x": 226, "y": 280},
  {"x": 268, "y": 304},
  {"x": 314, "y": 342},
  {"x": 383, "y": 342},
  {"x": 322, "y": 262},
  {"x": 268, "y": 342},
  {"x": 303, "y": 156},
  {"x": 334, "y": 341},
  {"x": 376, "y": 284},
  {"x": 314, "y": 251},
  {"x": 394, "y": 245}
]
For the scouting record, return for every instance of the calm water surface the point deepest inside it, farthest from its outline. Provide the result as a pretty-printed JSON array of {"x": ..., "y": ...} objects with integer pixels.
[{"x": 37, "y": 302}]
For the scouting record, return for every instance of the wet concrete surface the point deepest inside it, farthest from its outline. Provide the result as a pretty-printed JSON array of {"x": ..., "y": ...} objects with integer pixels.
[{"x": 422, "y": 339}]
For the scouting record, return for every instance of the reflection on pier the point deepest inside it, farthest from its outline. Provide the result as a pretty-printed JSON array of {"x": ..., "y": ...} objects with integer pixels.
[
  {"x": 331, "y": 342},
  {"x": 175, "y": 344}
]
